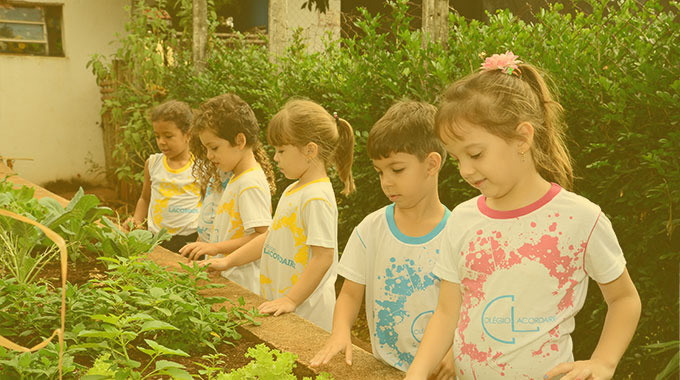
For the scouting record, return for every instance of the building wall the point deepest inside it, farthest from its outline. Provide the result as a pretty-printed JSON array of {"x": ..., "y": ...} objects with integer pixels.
[
  {"x": 50, "y": 106},
  {"x": 286, "y": 16}
]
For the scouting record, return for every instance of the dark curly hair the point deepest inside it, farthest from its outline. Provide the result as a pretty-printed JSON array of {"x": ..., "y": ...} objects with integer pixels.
[{"x": 226, "y": 116}]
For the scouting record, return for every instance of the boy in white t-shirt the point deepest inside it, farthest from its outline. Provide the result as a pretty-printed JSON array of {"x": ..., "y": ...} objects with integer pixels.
[{"x": 390, "y": 255}]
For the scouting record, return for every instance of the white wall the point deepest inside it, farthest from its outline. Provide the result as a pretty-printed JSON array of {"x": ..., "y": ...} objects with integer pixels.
[
  {"x": 285, "y": 16},
  {"x": 49, "y": 106},
  {"x": 315, "y": 24}
]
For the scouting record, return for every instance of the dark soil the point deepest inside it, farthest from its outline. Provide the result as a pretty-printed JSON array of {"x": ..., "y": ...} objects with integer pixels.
[
  {"x": 78, "y": 273},
  {"x": 234, "y": 351}
]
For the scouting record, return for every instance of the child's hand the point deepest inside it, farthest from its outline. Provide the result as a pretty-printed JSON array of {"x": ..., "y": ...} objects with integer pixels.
[
  {"x": 130, "y": 224},
  {"x": 280, "y": 306},
  {"x": 197, "y": 249},
  {"x": 335, "y": 344},
  {"x": 446, "y": 369},
  {"x": 581, "y": 370},
  {"x": 214, "y": 265}
]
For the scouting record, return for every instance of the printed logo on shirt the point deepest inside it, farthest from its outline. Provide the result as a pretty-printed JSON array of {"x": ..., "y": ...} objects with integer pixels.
[
  {"x": 419, "y": 324},
  {"x": 183, "y": 210},
  {"x": 208, "y": 212},
  {"x": 271, "y": 252},
  {"x": 502, "y": 327}
]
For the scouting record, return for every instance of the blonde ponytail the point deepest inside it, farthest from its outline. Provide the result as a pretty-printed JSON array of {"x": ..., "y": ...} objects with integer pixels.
[
  {"x": 301, "y": 122},
  {"x": 344, "y": 155},
  {"x": 550, "y": 153}
]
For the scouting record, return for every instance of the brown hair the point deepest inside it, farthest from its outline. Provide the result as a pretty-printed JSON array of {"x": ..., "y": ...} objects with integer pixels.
[
  {"x": 300, "y": 122},
  {"x": 226, "y": 116},
  {"x": 175, "y": 111},
  {"x": 408, "y": 127},
  {"x": 499, "y": 102}
]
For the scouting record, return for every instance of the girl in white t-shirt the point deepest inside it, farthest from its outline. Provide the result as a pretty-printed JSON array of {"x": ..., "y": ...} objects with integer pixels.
[
  {"x": 299, "y": 253},
  {"x": 515, "y": 261},
  {"x": 170, "y": 194},
  {"x": 228, "y": 130}
]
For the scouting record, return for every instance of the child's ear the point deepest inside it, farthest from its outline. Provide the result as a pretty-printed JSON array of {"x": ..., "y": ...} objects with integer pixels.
[
  {"x": 434, "y": 163},
  {"x": 525, "y": 131},
  {"x": 311, "y": 150},
  {"x": 240, "y": 140}
]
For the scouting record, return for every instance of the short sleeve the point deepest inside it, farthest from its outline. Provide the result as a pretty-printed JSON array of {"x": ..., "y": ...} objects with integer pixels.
[
  {"x": 604, "y": 261},
  {"x": 254, "y": 207},
  {"x": 320, "y": 223},
  {"x": 446, "y": 267},
  {"x": 353, "y": 260}
]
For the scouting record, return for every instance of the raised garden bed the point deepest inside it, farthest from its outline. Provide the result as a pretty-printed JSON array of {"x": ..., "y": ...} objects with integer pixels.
[{"x": 287, "y": 333}]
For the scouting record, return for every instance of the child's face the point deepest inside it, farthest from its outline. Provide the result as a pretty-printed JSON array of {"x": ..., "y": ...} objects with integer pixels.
[
  {"x": 404, "y": 178},
  {"x": 291, "y": 161},
  {"x": 487, "y": 162},
  {"x": 220, "y": 151},
  {"x": 170, "y": 139}
]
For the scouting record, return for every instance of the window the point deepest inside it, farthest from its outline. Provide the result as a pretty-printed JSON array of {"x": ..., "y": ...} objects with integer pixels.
[{"x": 31, "y": 29}]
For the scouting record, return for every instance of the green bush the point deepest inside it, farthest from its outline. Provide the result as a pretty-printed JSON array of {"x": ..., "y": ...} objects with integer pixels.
[{"x": 615, "y": 68}]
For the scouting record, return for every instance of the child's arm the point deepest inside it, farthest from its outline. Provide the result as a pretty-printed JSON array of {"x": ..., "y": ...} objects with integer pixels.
[
  {"x": 346, "y": 310},
  {"x": 321, "y": 260},
  {"x": 142, "y": 208},
  {"x": 248, "y": 253},
  {"x": 446, "y": 369},
  {"x": 439, "y": 332},
  {"x": 195, "y": 250},
  {"x": 623, "y": 314}
]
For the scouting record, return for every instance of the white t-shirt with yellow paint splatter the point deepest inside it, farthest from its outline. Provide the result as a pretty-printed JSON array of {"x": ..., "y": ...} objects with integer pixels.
[
  {"x": 245, "y": 203},
  {"x": 305, "y": 216},
  {"x": 175, "y": 197}
]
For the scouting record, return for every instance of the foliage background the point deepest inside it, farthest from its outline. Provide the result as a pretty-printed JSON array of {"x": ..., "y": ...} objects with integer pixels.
[{"x": 614, "y": 65}]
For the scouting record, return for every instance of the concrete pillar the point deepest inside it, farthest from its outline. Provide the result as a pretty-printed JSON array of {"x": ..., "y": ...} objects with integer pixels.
[
  {"x": 200, "y": 33},
  {"x": 436, "y": 20},
  {"x": 278, "y": 26},
  {"x": 286, "y": 16}
]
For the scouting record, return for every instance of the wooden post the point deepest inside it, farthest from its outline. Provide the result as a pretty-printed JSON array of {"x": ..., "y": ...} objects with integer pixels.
[
  {"x": 200, "y": 33},
  {"x": 278, "y": 27},
  {"x": 436, "y": 20}
]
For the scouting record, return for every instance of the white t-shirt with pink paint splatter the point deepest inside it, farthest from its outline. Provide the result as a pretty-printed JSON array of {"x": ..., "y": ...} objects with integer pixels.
[{"x": 523, "y": 275}]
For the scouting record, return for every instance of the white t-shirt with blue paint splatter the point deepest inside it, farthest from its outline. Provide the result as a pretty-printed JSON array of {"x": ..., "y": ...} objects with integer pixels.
[{"x": 401, "y": 291}]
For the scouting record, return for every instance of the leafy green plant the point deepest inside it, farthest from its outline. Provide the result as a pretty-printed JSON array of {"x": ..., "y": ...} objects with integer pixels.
[
  {"x": 19, "y": 200},
  {"x": 39, "y": 365},
  {"x": 21, "y": 260},
  {"x": 111, "y": 241},
  {"x": 138, "y": 306},
  {"x": 116, "y": 333},
  {"x": 214, "y": 365},
  {"x": 77, "y": 222},
  {"x": 268, "y": 364}
]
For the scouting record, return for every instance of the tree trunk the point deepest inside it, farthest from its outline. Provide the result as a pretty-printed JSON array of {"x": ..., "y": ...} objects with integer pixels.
[
  {"x": 200, "y": 33},
  {"x": 436, "y": 20}
]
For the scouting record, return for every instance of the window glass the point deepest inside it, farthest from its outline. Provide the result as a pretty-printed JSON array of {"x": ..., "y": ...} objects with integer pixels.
[
  {"x": 20, "y": 13},
  {"x": 33, "y": 32}
]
